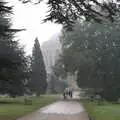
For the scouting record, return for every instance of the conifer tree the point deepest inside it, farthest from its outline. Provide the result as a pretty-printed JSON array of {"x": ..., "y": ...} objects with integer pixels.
[
  {"x": 38, "y": 81},
  {"x": 13, "y": 65}
]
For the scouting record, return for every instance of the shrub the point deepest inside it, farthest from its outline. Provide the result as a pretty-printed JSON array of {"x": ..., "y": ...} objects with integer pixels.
[{"x": 27, "y": 101}]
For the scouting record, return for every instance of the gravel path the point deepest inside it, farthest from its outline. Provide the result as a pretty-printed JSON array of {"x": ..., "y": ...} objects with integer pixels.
[{"x": 61, "y": 110}]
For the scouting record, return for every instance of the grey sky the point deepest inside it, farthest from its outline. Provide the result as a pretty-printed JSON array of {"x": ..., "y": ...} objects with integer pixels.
[{"x": 30, "y": 17}]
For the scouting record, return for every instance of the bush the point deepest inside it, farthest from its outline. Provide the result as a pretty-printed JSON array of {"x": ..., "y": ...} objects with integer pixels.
[
  {"x": 27, "y": 101},
  {"x": 112, "y": 94}
]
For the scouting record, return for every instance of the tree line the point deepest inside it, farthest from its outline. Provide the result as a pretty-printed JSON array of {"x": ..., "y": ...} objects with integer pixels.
[
  {"x": 92, "y": 52},
  {"x": 90, "y": 49}
]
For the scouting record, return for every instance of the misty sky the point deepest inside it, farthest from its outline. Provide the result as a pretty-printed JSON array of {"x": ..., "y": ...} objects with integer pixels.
[{"x": 29, "y": 16}]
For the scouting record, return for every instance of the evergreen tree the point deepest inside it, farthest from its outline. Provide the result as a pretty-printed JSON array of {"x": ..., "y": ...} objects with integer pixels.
[
  {"x": 66, "y": 12},
  {"x": 38, "y": 81},
  {"x": 5, "y": 21},
  {"x": 13, "y": 67}
]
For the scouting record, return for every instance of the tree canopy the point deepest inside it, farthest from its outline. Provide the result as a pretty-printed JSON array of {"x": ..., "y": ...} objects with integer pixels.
[
  {"x": 92, "y": 50},
  {"x": 66, "y": 12}
]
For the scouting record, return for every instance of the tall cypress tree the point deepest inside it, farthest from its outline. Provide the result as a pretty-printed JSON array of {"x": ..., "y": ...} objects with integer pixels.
[{"x": 38, "y": 81}]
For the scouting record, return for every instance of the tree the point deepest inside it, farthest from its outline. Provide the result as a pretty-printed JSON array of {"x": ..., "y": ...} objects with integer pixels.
[
  {"x": 96, "y": 49},
  {"x": 58, "y": 69},
  {"x": 38, "y": 81},
  {"x": 55, "y": 85},
  {"x": 5, "y": 21},
  {"x": 66, "y": 12},
  {"x": 4, "y": 24},
  {"x": 12, "y": 57}
]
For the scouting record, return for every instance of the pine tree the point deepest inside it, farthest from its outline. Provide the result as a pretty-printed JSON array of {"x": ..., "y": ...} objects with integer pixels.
[
  {"x": 38, "y": 81},
  {"x": 12, "y": 57}
]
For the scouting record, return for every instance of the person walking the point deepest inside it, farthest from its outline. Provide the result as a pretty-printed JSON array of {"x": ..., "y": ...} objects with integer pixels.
[
  {"x": 70, "y": 93},
  {"x": 64, "y": 95}
]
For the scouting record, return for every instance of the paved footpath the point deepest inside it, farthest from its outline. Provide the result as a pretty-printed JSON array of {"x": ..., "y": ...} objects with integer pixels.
[{"x": 61, "y": 110}]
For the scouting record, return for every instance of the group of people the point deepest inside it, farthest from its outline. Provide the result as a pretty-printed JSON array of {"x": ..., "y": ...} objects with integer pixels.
[{"x": 67, "y": 92}]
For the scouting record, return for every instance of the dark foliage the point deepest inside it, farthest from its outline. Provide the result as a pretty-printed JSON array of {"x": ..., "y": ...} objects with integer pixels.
[
  {"x": 38, "y": 81},
  {"x": 13, "y": 63},
  {"x": 93, "y": 51},
  {"x": 66, "y": 12}
]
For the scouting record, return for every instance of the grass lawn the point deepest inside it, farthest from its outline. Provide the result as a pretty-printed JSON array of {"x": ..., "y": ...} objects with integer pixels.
[
  {"x": 103, "y": 112},
  {"x": 17, "y": 108}
]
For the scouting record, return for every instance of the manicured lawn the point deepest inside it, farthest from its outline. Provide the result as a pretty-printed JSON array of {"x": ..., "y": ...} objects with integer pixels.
[
  {"x": 17, "y": 108},
  {"x": 103, "y": 112}
]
